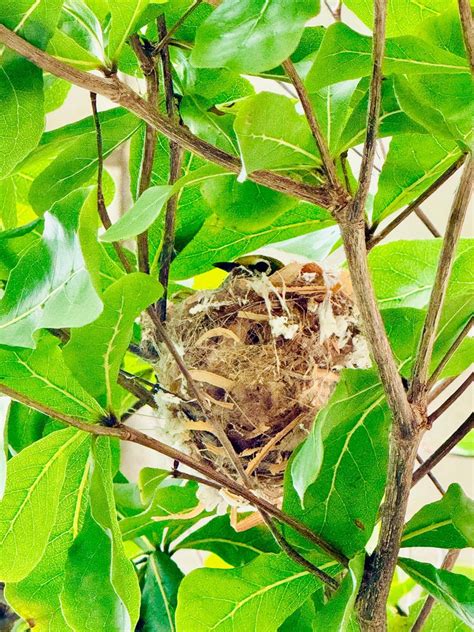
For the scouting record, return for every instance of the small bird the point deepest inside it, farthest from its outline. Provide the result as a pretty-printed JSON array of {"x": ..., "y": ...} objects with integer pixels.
[{"x": 250, "y": 265}]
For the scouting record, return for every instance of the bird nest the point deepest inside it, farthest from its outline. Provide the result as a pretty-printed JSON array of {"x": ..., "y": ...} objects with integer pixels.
[{"x": 266, "y": 353}]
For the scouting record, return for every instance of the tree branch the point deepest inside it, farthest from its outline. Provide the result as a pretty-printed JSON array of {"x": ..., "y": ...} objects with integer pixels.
[
  {"x": 176, "y": 157},
  {"x": 101, "y": 208},
  {"x": 115, "y": 90},
  {"x": 449, "y": 354},
  {"x": 444, "y": 449},
  {"x": 427, "y": 222},
  {"x": 450, "y": 400},
  {"x": 375, "y": 239},
  {"x": 166, "y": 37},
  {"x": 418, "y": 387},
  {"x": 432, "y": 477},
  {"x": 318, "y": 135},
  {"x": 357, "y": 208},
  {"x": 465, "y": 14}
]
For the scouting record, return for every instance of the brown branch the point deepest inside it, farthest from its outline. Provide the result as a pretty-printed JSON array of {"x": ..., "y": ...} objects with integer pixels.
[
  {"x": 318, "y": 135},
  {"x": 440, "y": 388},
  {"x": 418, "y": 387},
  {"x": 449, "y": 354},
  {"x": 133, "y": 386},
  {"x": 357, "y": 208},
  {"x": 444, "y": 449},
  {"x": 336, "y": 13},
  {"x": 465, "y": 14},
  {"x": 101, "y": 207},
  {"x": 118, "y": 92},
  {"x": 125, "y": 433},
  {"x": 176, "y": 157},
  {"x": 147, "y": 65},
  {"x": 450, "y": 400},
  {"x": 427, "y": 222},
  {"x": 448, "y": 563},
  {"x": 432, "y": 477},
  {"x": 167, "y": 37},
  {"x": 375, "y": 239}
]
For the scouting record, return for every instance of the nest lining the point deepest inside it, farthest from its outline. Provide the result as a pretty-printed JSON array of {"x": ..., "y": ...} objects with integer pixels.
[{"x": 266, "y": 353}]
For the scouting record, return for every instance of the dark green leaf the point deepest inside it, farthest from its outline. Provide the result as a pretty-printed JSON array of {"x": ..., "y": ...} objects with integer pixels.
[
  {"x": 454, "y": 590},
  {"x": 159, "y": 594},
  {"x": 25, "y": 426},
  {"x": 253, "y": 35},
  {"x": 447, "y": 523},
  {"x": 50, "y": 286},
  {"x": 302, "y": 620}
]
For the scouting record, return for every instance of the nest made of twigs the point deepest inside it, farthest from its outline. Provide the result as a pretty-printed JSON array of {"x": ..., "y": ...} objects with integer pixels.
[{"x": 266, "y": 353}]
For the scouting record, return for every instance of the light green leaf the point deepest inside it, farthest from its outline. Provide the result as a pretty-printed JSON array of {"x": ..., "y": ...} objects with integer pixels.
[
  {"x": 345, "y": 54},
  {"x": 447, "y": 523},
  {"x": 142, "y": 214},
  {"x": 339, "y": 472},
  {"x": 217, "y": 130},
  {"x": 28, "y": 510},
  {"x": 55, "y": 92},
  {"x": 124, "y": 17},
  {"x": 76, "y": 165},
  {"x": 454, "y": 590},
  {"x": 445, "y": 30},
  {"x": 50, "y": 286},
  {"x": 302, "y": 619},
  {"x": 33, "y": 20},
  {"x": 236, "y": 548},
  {"x": 267, "y": 144},
  {"x": 253, "y": 35},
  {"x": 440, "y": 618},
  {"x": 466, "y": 446},
  {"x": 159, "y": 594},
  {"x": 97, "y": 564},
  {"x": 95, "y": 352},
  {"x": 25, "y": 426},
  {"x": 5, "y": 404},
  {"x": 8, "y": 214},
  {"x": 260, "y": 595},
  {"x": 36, "y": 597},
  {"x": 218, "y": 242},
  {"x": 41, "y": 377}
]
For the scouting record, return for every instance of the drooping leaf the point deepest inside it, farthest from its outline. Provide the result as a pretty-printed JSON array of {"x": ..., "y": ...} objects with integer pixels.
[
  {"x": 338, "y": 476},
  {"x": 124, "y": 17},
  {"x": 97, "y": 564},
  {"x": 50, "y": 286},
  {"x": 40, "y": 377},
  {"x": 159, "y": 594},
  {"x": 28, "y": 509},
  {"x": 447, "y": 523},
  {"x": 95, "y": 352},
  {"x": 267, "y": 144},
  {"x": 454, "y": 590},
  {"x": 219, "y": 537},
  {"x": 36, "y": 597},
  {"x": 345, "y": 54},
  {"x": 259, "y": 595},
  {"x": 253, "y": 35}
]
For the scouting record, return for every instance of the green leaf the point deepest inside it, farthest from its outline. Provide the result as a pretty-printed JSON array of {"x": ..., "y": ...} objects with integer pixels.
[
  {"x": 403, "y": 16},
  {"x": 97, "y": 564},
  {"x": 34, "y": 21},
  {"x": 218, "y": 242},
  {"x": 340, "y": 471},
  {"x": 447, "y": 523},
  {"x": 41, "y": 378},
  {"x": 142, "y": 214},
  {"x": 236, "y": 548},
  {"x": 124, "y": 17},
  {"x": 56, "y": 91},
  {"x": 260, "y": 596},
  {"x": 5, "y": 404},
  {"x": 25, "y": 426},
  {"x": 445, "y": 30},
  {"x": 95, "y": 352},
  {"x": 466, "y": 446},
  {"x": 76, "y": 165},
  {"x": 345, "y": 54},
  {"x": 28, "y": 510},
  {"x": 159, "y": 594},
  {"x": 217, "y": 130},
  {"x": 267, "y": 144},
  {"x": 50, "y": 286},
  {"x": 253, "y": 35},
  {"x": 36, "y": 597},
  {"x": 302, "y": 619},
  {"x": 454, "y": 590},
  {"x": 440, "y": 618}
]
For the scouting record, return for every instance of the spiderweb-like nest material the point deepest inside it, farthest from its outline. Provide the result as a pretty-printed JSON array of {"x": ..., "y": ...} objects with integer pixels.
[{"x": 266, "y": 353}]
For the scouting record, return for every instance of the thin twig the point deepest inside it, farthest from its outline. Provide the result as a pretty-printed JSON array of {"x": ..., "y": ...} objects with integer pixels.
[
  {"x": 418, "y": 387},
  {"x": 375, "y": 239},
  {"x": 444, "y": 449},
  {"x": 120, "y": 93},
  {"x": 448, "y": 563},
  {"x": 450, "y": 400},
  {"x": 465, "y": 14},
  {"x": 336, "y": 12},
  {"x": 125, "y": 433},
  {"x": 101, "y": 207},
  {"x": 440, "y": 388},
  {"x": 165, "y": 39},
  {"x": 432, "y": 477},
  {"x": 427, "y": 222},
  {"x": 357, "y": 208},
  {"x": 449, "y": 354},
  {"x": 318, "y": 135}
]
